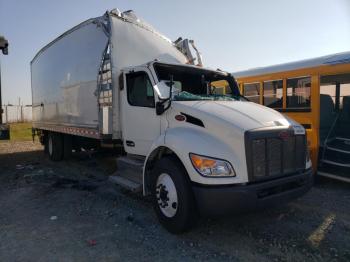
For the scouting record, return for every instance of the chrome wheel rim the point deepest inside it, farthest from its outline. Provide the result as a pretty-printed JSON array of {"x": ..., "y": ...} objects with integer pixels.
[{"x": 166, "y": 195}]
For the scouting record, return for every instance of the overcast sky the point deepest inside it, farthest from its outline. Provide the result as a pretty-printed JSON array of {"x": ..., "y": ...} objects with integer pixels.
[{"x": 232, "y": 35}]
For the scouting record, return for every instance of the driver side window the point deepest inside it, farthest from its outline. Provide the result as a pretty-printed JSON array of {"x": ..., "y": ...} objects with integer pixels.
[{"x": 139, "y": 89}]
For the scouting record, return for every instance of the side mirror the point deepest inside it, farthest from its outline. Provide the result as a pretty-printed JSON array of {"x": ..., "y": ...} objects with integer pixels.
[
  {"x": 4, "y": 45},
  {"x": 162, "y": 90},
  {"x": 160, "y": 108},
  {"x": 5, "y": 51}
]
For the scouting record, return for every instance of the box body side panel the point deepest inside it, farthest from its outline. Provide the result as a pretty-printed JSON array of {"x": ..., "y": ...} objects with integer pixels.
[{"x": 64, "y": 79}]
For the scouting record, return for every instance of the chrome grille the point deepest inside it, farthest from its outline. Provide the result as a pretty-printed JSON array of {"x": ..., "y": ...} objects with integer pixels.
[
  {"x": 289, "y": 155},
  {"x": 300, "y": 155},
  {"x": 270, "y": 155},
  {"x": 259, "y": 157},
  {"x": 274, "y": 156}
]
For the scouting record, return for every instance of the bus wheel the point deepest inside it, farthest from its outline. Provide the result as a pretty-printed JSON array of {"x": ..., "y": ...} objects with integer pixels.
[
  {"x": 173, "y": 200},
  {"x": 55, "y": 146}
]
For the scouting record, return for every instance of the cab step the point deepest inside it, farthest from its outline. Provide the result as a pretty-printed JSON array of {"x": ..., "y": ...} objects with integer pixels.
[
  {"x": 129, "y": 173},
  {"x": 126, "y": 183}
]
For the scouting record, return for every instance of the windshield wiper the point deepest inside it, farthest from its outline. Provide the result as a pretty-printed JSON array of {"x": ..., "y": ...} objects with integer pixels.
[{"x": 240, "y": 96}]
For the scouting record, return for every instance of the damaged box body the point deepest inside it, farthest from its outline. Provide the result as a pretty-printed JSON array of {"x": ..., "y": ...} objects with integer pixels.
[{"x": 75, "y": 78}]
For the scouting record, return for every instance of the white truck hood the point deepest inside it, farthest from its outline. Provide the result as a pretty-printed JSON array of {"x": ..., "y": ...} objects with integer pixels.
[{"x": 240, "y": 114}]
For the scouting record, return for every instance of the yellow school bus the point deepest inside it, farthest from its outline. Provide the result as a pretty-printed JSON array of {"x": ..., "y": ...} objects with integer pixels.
[{"x": 315, "y": 93}]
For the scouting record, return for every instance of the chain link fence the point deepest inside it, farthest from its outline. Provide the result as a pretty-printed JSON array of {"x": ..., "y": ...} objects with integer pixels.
[{"x": 16, "y": 113}]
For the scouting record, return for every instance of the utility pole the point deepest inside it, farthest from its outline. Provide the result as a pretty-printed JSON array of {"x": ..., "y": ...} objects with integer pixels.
[
  {"x": 4, "y": 129},
  {"x": 4, "y": 48},
  {"x": 1, "y": 111}
]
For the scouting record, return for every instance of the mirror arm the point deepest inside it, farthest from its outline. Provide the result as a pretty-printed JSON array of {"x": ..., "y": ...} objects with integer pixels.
[
  {"x": 168, "y": 106},
  {"x": 161, "y": 109},
  {"x": 171, "y": 85},
  {"x": 163, "y": 101}
]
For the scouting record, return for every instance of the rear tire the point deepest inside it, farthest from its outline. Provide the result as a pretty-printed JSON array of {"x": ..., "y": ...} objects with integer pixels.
[
  {"x": 67, "y": 146},
  {"x": 55, "y": 146},
  {"x": 172, "y": 196},
  {"x": 45, "y": 142}
]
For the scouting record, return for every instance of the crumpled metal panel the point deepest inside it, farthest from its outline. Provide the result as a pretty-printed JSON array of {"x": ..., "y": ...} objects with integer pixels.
[
  {"x": 64, "y": 77},
  {"x": 134, "y": 43}
]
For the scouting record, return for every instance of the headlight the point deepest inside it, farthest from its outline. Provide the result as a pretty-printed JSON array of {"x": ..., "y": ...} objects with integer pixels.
[
  {"x": 308, "y": 154},
  {"x": 308, "y": 163},
  {"x": 211, "y": 167}
]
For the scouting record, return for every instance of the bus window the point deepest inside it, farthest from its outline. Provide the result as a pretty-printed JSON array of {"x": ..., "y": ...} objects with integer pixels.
[
  {"x": 298, "y": 93},
  {"x": 337, "y": 87},
  {"x": 222, "y": 87},
  {"x": 328, "y": 90},
  {"x": 252, "y": 92},
  {"x": 344, "y": 91},
  {"x": 273, "y": 93}
]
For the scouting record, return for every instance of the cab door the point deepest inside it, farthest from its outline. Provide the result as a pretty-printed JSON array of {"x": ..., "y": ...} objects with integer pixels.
[{"x": 140, "y": 123}]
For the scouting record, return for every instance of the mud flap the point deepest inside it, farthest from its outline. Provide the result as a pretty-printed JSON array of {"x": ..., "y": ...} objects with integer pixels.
[{"x": 4, "y": 132}]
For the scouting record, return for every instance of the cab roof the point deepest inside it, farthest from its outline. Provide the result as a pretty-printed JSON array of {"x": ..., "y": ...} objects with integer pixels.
[{"x": 178, "y": 64}]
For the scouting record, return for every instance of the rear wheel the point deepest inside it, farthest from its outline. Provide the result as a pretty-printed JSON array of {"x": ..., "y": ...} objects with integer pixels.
[
  {"x": 172, "y": 196},
  {"x": 55, "y": 146},
  {"x": 67, "y": 146},
  {"x": 44, "y": 142}
]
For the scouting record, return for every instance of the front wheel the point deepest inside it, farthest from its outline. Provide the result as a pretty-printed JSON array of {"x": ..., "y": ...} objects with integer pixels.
[{"x": 172, "y": 196}]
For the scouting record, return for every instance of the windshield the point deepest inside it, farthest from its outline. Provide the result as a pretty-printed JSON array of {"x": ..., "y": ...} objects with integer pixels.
[{"x": 191, "y": 84}]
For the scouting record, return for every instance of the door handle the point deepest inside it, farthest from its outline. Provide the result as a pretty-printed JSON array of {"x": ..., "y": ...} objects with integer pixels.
[{"x": 130, "y": 143}]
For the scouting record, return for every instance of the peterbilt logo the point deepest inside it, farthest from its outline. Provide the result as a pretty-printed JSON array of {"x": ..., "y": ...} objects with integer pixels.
[{"x": 284, "y": 135}]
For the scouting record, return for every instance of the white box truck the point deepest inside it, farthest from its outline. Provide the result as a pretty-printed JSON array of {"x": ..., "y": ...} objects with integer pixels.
[{"x": 196, "y": 148}]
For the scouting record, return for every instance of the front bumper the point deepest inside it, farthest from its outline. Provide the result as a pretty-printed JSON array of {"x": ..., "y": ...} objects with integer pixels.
[{"x": 220, "y": 200}]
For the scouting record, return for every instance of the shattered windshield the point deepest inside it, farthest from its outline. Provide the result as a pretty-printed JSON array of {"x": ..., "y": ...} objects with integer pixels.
[
  {"x": 186, "y": 96},
  {"x": 192, "y": 84}
]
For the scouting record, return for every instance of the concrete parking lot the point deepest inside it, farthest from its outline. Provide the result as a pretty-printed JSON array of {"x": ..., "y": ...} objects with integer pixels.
[{"x": 68, "y": 211}]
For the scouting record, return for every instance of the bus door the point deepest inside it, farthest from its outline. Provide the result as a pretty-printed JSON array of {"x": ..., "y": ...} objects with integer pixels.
[
  {"x": 335, "y": 124},
  {"x": 335, "y": 105}
]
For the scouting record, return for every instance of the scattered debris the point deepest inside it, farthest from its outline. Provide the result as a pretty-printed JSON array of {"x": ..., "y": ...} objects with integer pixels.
[
  {"x": 20, "y": 167},
  {"x": 87, "y": 185},
  {"x": 281, "y": 216},
  {"x": 130, "y": 218},
  {"x": 91, "y": 242},
  {"x": 26, "y": 166},
  {"x": 114, "y": 226}
]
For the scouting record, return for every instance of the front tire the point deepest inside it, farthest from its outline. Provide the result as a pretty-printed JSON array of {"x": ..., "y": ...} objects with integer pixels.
[{"x": 173, "y": 199}]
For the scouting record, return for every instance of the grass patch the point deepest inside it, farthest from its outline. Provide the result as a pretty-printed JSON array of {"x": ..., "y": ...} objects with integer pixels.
[{"x": 21, "y": 132}]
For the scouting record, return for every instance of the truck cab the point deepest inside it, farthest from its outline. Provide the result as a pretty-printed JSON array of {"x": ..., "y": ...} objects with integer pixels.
[
  {"x": 190, "y": 140},
  {"x": 204, "y": 151}
]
